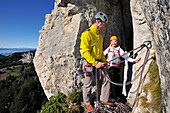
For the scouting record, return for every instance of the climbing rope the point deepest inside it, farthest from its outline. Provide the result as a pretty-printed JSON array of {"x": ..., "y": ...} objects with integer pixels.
[
  {"x": 140, "y": 81},
  {"x": 146, "y": 44},
  {"x": 118, "y": 106}
]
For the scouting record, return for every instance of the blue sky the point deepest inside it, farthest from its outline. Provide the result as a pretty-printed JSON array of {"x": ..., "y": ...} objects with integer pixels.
[{"x": 21, "y": 20}]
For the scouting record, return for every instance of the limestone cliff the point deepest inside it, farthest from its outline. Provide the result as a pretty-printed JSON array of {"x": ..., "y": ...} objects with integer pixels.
[
  {"x": 58, "y": 46},
  {"x": 151, "y": 21}
]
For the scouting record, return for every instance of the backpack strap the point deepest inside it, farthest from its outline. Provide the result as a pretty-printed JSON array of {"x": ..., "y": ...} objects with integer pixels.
[
  {"x": 111, "y": 51},
  {"x": 119, "y": 55}
]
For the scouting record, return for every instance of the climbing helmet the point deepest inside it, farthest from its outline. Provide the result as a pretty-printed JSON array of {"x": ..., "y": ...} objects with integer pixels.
[
  {"x": 113, "y": 38},
  {"x": 102, "y": 16}
]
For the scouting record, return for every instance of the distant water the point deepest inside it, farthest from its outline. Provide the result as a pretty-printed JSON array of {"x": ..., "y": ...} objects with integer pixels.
[{"x": 9, "y": 51}]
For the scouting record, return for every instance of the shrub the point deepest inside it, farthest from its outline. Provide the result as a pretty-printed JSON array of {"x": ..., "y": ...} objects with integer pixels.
[
  {"x": 64, "y": 104},
  {"x": 75, "y": 97},
  {"x": 55, "y": 104}
]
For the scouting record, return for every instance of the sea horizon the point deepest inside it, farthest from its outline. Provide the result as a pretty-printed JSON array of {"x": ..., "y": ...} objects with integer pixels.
[{"x": 9, "y": 51}]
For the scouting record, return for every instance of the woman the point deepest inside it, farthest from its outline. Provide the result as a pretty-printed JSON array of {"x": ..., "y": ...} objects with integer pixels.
[{"x": 113, "y": 53}]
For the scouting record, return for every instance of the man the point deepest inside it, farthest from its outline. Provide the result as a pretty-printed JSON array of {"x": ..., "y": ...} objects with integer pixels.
[{"x": 92, "y": 50}]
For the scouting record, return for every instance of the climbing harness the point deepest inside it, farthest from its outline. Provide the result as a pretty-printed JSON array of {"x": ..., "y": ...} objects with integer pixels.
[{"x": 119, "y": 107}]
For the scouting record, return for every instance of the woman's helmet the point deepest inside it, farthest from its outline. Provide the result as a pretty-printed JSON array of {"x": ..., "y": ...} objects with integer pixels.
[
  {"x": 102, "y": 16},
  {"x": 113, "y": 38}
]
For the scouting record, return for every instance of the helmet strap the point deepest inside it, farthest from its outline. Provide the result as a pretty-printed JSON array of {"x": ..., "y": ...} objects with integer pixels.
[{"x": 98, "y": 24}]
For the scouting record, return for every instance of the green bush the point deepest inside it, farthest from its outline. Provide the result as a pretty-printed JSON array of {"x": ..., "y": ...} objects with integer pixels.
[
  {"x": 55, "y": 104},
  {"x": 75, "y": 97},
  {"x": 64, "y": 104}
]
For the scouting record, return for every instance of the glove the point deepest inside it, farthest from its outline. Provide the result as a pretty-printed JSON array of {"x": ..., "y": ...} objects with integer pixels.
[{"x": 138, "y": 59}]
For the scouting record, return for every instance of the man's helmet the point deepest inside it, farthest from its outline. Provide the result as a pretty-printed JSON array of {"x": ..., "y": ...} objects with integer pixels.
[{"x": 102, "y": 16}]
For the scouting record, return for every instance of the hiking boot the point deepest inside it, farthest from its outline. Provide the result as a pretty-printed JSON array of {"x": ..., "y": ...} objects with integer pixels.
[{"x": 89, "y": 107}]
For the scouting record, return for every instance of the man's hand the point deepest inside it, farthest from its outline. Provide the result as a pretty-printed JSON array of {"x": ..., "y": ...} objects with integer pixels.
[{"x": 99, "y": 65}]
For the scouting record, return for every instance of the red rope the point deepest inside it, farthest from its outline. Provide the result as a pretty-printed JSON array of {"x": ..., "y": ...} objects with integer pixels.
[
  {"x": 141, "y": 47},
  {"x": 146, "y": 59}
]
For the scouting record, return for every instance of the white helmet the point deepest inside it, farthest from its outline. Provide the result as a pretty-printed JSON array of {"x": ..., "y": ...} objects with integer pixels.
[{"x": 102, "y": 16}]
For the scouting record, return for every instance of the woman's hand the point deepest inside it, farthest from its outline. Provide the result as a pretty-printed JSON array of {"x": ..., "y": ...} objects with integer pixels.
[{"x": 138, "y": 59}]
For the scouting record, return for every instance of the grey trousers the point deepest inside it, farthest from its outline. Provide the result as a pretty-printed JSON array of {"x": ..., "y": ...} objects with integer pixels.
[{"x": 105, "y": 88}]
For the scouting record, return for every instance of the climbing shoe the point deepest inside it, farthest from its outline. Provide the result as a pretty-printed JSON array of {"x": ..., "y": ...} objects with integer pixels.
[
  {"x": 106, "y": 103},
  {"x": 89, "y": 107}
]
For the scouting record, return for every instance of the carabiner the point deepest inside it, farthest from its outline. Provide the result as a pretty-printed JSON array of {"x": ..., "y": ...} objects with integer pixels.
[{"x": 147, "y": 44}]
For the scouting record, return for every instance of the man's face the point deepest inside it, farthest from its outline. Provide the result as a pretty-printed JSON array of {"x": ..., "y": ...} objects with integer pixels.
[{"x": 102, "y": 26}]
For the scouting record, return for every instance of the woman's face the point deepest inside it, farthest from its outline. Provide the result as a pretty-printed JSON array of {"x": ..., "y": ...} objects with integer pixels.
[{"x": 114, "y": 43}]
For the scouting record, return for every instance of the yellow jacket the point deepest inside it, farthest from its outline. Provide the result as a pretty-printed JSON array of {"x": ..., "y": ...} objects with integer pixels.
[{"x": 91, "y": 38}]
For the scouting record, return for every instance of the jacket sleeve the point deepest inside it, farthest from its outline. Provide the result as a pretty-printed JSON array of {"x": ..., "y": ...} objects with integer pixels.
[
  {"x": 126, "y": 56},
  {"x": 86, "y": 48},
  {"x": 103, "y": 59}
]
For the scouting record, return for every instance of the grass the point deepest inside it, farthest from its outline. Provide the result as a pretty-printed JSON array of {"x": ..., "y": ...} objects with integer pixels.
[
  {"x": 13, "y": 70},
  {"x": 154, "y": 87}
]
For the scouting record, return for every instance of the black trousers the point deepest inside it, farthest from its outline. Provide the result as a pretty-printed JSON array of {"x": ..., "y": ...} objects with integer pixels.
[{"x": 116, "y": 91}]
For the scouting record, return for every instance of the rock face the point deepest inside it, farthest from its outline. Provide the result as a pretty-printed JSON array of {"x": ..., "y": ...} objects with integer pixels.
[
  {"x": 151, "y": 21},
  {"x": 27, "y": 57},
  {"x": 58, "y": 46}
]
